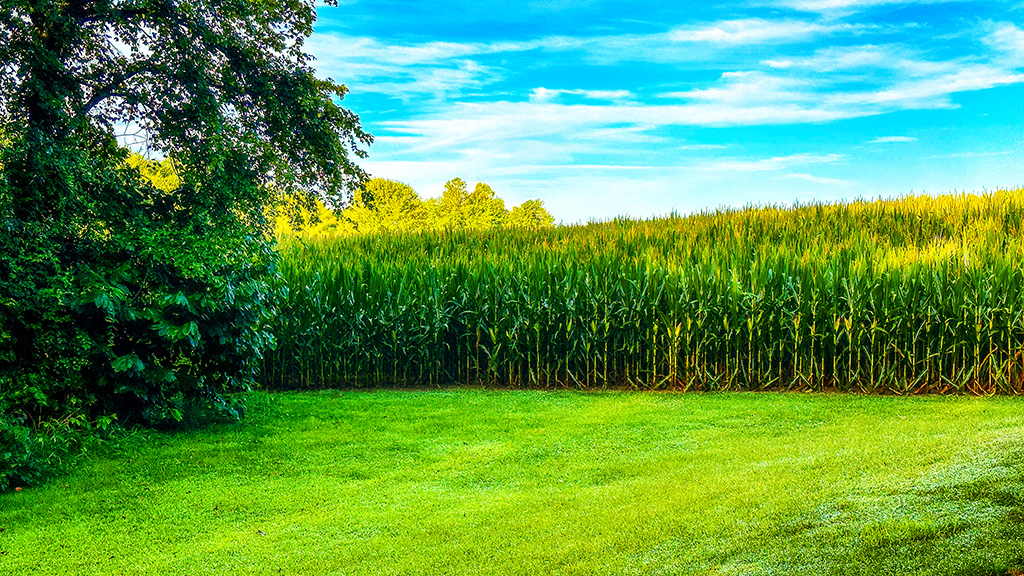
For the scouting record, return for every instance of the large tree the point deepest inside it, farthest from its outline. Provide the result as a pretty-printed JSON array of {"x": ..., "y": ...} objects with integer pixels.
[
  {"x": 385, "y": 206},
  {"x": 483, "y": 210},
  {"x": 117, "y": 295}
]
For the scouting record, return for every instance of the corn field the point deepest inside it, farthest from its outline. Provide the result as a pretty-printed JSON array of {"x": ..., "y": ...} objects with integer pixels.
[{"x": 915, "y": 295}]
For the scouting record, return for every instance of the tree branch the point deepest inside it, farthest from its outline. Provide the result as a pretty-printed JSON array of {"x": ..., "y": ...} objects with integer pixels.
[{"x": 107, "y": 91}]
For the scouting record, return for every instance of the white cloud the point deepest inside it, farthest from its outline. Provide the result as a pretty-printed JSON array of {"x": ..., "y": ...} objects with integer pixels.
[
  {"x": 888, "y": 139},
  {"x": 534, "y": 168},
  {"x": 442, "y": 68},
  {"x": 736, "y": 99},
  {"x": 552, "y": 125},
  {"x": 973, "y": 154},
  {"x": 600, "y": 129},
  {"x": 838, "y": 7},
  {"x": 462, "y": 77},
  {"x": 754, "y": 31},
  {"x": 771, "y": 164},
  {"x": 835, "y": 5},
  {"x": 502, "y": 122},
  {"x": 780, "y": 64},
  {"x": 337, "y": 48},
  {"x": 868, "y": 59},
  {"x": 750, "y": 87},
  {"x": 818, "y": 179},
  {"x": 1008, "y": 40},
  {"x": 549, "y": 95},
  {"x": 438, "y": 69},
  {"x": 701, "y": 147},
  {"x": 929, "y": 92}
]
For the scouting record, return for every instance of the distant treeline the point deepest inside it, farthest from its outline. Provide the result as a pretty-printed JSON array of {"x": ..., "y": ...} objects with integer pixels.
[
  {"x": 919, "y": 294},
  {"x": 383, "y": 206}
]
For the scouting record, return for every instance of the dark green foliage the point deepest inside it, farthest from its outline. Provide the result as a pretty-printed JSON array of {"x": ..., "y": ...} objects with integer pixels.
[
  {"x": 119, "y": 297},
  {"x": 33, "y": 451},
  {"x": 169, "y": 331},
  {"x": 19, "y": 463}
]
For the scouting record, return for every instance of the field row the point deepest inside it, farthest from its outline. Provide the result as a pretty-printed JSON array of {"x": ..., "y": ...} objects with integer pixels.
[{"x": 915, "y": 295}]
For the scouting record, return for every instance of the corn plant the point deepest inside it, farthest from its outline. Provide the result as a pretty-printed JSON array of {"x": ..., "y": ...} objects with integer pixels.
[{"x": 914, "y": 295}]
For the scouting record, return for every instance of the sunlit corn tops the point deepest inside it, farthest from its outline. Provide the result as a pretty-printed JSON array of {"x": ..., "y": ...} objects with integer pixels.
[{"x": 919, "y": 294}]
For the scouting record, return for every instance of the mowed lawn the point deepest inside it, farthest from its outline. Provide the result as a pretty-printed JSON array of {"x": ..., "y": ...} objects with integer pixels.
[{"x": 534, "y": 482}]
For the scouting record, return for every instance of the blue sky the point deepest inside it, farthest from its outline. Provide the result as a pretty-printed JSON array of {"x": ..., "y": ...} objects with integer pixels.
[{"x": 603, "y": 108}]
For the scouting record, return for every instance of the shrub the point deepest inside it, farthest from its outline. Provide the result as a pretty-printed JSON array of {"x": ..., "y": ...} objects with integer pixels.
[{"x": 21, "y": 463}]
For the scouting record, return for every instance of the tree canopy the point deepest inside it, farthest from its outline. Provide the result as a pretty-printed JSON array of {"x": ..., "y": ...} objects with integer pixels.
[
  {"x": 383, "y": 205},
  {"x": 144, "y": 297},
  {"x": 218, "y": 85},
  {"x": 530, "y": 214}
]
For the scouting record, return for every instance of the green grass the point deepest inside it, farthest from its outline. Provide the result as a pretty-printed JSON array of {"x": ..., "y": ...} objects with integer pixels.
[{"x": 533, "y": 482}]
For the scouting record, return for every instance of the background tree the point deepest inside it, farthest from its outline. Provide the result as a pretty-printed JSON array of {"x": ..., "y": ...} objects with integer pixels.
[
  {"x": 161, "y": 174},
  {"x": 386, "y": 206},
  {"x": 482, "y": 210},
  {"x": 293, "y": 214},
  {"x": 383, "y": 205},
  {"x": 530, "y": 214},
  {"x": 446, "y": 212},
  {"x": 118, "y": 296}
]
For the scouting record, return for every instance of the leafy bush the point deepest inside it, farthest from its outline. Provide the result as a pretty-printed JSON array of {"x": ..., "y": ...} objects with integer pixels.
[
  {"x": 20, "y": 462},
  {"x": 146, "y": 298},
  {"x": 153, "y": 307},
  {"x": 30, "y": 452},
  {"x": 170, "y": 338}
]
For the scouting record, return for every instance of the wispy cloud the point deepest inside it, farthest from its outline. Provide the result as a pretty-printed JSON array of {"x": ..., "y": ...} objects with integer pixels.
[
  {"x": 974, "y": 154},
  {"x": 335, "y": 48},
  {"x": 446, "y": 68},
  {"x": 870, "y": 76},
  {"x": 702, "y": 147},
  {"x": 1008, "y": 41},
  {"x": 652, "y": 104},
  {"x": 930, "y": 92},
  {"x": 889, "y": 139},
  {"x": 737, "y": 99},
  {"x": 408, "y": 71},
  {"x": 818, "y": 179},
  {"x": 757, "y": 31},
  {"x": 505, "y": 121},
  {"x": 869, "y": 58},
  {"x": 750, "y": 87},
  {"x": 533, "y": 168},
  {"x": 836, "y": 7},
  {"x": 771, "y": 164},
  {"x": 549, "y": 95}
]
